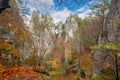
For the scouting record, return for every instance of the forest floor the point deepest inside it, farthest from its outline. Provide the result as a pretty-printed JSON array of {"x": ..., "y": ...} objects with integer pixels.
[{"x": 58, "y": 73}]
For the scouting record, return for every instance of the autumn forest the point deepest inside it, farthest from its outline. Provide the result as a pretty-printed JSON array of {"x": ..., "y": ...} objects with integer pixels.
[{"x": 34, "y": 46}]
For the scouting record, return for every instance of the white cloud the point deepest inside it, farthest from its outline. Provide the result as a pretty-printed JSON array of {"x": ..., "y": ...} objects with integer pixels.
[
  {"x": 41, "y": 4},
  {"x": 84, "y": 11},
  {"x": 93, "y": 2},
  {"x": 81, "y": 9},
  {"x": 60, "y": 15},
  {"x": 84, "y": 14}
]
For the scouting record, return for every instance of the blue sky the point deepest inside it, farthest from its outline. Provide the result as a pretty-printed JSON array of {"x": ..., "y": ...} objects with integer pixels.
[{"x": 60, "y": 11}]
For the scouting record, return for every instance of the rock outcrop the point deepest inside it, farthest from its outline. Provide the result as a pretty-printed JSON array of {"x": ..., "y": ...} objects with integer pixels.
[
  {"x": 48, "y": 35},
  {"x": 12, "y": 29},
  {"x": 3, "y": 5},
  {"x": 113, "y": 35},
  {"x": 113, "y": 22}
]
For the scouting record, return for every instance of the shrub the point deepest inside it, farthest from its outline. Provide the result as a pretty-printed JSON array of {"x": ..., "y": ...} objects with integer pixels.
[
  {"x": 9, "y": 54},
  {"x": 98, "y": 77}
]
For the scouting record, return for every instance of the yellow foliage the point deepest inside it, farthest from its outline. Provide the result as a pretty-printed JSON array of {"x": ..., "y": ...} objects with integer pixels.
[
  {"x": 86, "y": 61},
  {"x": 31, "y": 59},
  {"x": 115, "y": 21},
  {"x": 94, "y": 47},
  {"x": 112, "y": 46},
  {"x": 108, "y": 46},
  {"x": 9, "y": 49},
  {"x": 54, "y": 64},
  {"x": 118, "y": 54},
  {"x": 53, "y": 73},
  {"x": 68, "y": 52}
]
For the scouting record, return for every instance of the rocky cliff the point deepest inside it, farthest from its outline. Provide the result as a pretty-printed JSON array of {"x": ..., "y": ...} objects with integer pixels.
[
  {"x": 12, "y": 29},
  {"x": 48, "y": 35},
  {"x": 113, "y": 22},
  {"x": 113, "y": 36}
]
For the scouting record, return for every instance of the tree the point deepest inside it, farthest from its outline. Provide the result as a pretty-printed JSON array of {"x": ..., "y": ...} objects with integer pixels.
[
  {"x": 112, "y": 50},
  {"x": 80, "y": 36},
  {"x": 105, "y": 35},
  {"x": 10, "y": 55},
  {"x": 101, "y": 10}
]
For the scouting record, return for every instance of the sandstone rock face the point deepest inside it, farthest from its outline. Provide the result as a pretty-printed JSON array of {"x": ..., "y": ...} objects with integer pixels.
[
  {"x": 40, "y": 27},
  {"x": 113, "y": 28},
  {"x": 47, "y": 35},
  {"x": 40, "y": 34},
  {"x": 113, "y": 22},
  {"x": 70, "y": 28},
  {"x": 11, "y": 24}
]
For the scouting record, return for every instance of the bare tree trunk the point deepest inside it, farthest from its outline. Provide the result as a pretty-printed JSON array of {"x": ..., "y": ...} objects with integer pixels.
[
  {"x": 70, "y": 67},
  {"x": 116, "y": 66}
]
